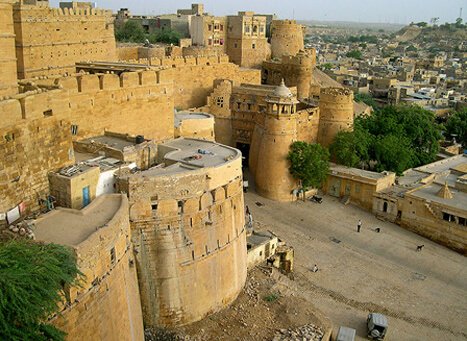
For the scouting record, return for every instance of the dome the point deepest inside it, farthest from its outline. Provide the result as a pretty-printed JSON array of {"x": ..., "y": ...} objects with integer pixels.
[{"x": 282, "y": 90}]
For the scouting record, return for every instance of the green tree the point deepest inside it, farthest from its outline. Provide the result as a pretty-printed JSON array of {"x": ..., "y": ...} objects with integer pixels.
[
  {"x": 457, "y": 125},
  {"x": 365, "y": 98},
  {"x": 32, "y": 281},
  {"x": 393, "y": 153},
  {"x": 351, "y": 148},
  {"x": 355, "y": 54},
  {"x": 309, "y": 163},
  {"x": 327, "y": 66},
  {"x": 132, "y": 31},
  {"x": 411, "y": 122}
]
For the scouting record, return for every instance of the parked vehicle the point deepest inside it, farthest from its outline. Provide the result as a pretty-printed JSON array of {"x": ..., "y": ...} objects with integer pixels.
[
  {"x": 346, "y": 334},
  {"x": 377, "y": 325}
]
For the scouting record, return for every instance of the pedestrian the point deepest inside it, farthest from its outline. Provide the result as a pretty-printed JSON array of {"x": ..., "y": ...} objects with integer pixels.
[
  {"x": 315, "y": 268},
  {"x": 359, "y": 225},
  {"x": 247, "y": 210},
  {"x": 250, "y": 220}
]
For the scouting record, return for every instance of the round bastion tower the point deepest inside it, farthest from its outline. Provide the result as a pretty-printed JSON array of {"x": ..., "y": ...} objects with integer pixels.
[
  {"x": 336, "y": 113},
  {"x": 270, "y": 146},
  {"x": 298, "y": 71},
  {"x": 286, "y": 38}
]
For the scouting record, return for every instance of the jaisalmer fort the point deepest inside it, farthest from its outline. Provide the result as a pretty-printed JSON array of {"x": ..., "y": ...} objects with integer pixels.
[{"x": 193, "y": 176}]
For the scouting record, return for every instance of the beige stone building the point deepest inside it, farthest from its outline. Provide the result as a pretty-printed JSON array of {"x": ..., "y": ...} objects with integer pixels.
[
  {"x": 357, "y": 186},
  {"x": 209, "y": 31},
  {"x": 247, "y": 44},
  {"x": 430, "y": 200}
]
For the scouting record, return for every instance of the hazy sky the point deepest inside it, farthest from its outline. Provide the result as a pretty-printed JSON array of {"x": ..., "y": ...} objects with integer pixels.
[{"x": 392, "y": 11}]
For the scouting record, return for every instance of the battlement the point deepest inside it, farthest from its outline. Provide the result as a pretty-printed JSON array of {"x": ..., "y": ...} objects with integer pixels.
[
  {"x": 61, "y": 12},
  {"x": 178, "y": 62},
  {"x": 336, "y": 95},
  {"x": 304, "y": 58}
]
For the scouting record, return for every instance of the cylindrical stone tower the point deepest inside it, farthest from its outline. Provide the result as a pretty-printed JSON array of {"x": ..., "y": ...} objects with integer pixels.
[
  {"x": 336, "y": 113},
  {"x": 8, "y": 76},
  {"x": 270, "y": 146},
  {"x": 286, "y": 38}
]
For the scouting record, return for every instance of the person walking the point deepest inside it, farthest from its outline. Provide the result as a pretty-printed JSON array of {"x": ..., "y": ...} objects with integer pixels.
[{"x": 359, "y": 225}]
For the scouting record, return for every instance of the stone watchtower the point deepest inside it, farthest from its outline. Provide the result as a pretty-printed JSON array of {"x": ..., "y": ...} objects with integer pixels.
[
  {"x": 336, "y": 113},
  {"x": 298, "y": 71},
  {"x": 286, "y": 38},
  {"x": 270, "y": 146},
  {"x": 8, "y": 78}
]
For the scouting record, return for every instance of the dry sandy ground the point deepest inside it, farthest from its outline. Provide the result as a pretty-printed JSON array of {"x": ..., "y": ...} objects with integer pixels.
[{"x": 424, "y": 294}]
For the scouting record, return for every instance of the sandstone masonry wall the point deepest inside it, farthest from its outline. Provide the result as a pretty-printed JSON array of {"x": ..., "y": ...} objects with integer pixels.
[
  {"x": 8, "y": 76},
  {"x": 36, "y": 127},
  {"x": 107, "y": 304},
  {"x": 337, "y": 113},
  {"x": 188, "y": 230},
  {"x": 286, "y": 38},
  {"x": 51, "y": 40}
]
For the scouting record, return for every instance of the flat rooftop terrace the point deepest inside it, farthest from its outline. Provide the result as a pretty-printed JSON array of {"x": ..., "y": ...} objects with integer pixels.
[
  {"x": 180, "y": 116},
  {"x": 430, "y": 193},
  {"x": 458, "y": 162},
  {"x": 356, "y": 172},
  {"x": 189, "y": 154},
  {"x": 72, "y": 227}
]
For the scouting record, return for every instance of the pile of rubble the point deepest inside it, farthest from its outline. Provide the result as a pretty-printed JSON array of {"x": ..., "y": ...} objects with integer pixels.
[
  {"x": 307, "y": 332},
  {"x": 24, "y": 229}
]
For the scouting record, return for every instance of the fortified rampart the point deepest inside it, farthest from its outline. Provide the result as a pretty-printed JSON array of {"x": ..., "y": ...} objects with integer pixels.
[
  {"x": 106, "y": 305},
  {"x": 51, "y": 40},
  {"x": 8, "y": 79},
  {"x": 285, "y": 122},
  {"x": 187, "y": 225},
  {"x": 286, "y": 38},
  {"x": 336, "y": 113},
  {"x": 296, "y": 71},
  {"x": 75, "y": 107},
  {"x": 194, "y": 77}
]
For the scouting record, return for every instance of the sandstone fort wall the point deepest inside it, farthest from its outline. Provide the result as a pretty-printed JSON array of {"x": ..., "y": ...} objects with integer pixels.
[
  {"x": 8, "y": 79},
  {"x": 188, "y": 230},
  {"x": 107, "y": 304},
  {"x": 51, "y": 40},
  {"x": 36, "y": 127}
]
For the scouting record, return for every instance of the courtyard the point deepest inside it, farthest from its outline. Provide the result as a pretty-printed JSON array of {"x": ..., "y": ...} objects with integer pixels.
[{"x": 423, "y": 294}]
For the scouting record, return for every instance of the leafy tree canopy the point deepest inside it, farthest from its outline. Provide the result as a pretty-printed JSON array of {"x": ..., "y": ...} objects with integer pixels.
[
  {"x": 355, "y": 54},
  {"x": 309, "y": 163},
  {"x": 397, "y": 138},
  {"x": 352, "y": 149},
  {"x": 132, "y": 31},
  {"x": 457, "y": 125},
  {"x": 365, "y": 98},
  {"x": 32, "y": 281}
]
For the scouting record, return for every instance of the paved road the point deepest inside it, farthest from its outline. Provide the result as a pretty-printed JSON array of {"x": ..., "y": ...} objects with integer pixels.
[{"x": 424, "y": 294}]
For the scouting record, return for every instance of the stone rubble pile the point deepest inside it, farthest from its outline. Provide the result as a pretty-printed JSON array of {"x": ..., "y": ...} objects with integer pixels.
[
  {"x": 23, "y": 229},
  {"x": 308, "y": 332}
]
